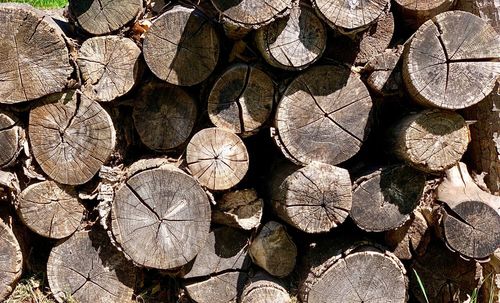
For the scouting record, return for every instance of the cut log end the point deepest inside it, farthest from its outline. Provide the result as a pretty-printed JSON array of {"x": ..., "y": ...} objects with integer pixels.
[
  {"x": 11, "y": 261},
  {"x": 262, "y": 289},
  {"x": 240, "y": 209},
  {"x": 416, "y": 12},
  {"x": 11, "y": 139},
  {"x": 385, "y": 74}
]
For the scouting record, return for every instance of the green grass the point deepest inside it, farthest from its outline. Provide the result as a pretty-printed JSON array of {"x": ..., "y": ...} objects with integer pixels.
[{"x": 41, "y": 3}]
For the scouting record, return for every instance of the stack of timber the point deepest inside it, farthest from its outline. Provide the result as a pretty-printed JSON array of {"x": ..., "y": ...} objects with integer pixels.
[{"x": 251, "y": 151}]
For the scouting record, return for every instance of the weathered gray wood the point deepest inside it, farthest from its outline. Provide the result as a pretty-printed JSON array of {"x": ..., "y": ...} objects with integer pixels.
[
  {"x": 385, "y": 76},
  {"x": 241, "y": 100},
  {"x": 71, "y": 136},
  {"x": 181, "y": 47},
  {"x": 160, "y": 218},
  {"x": 164, "y": 115},
  {"x": 34, "y": 57},
  {"x": 314, "y": 198},
  {"x": 11, "y": 261},
  {"x": 432, "y": 140},
  {"x": 293, "y": 42},
  {"x": 384, "y": 199},
  {"x": 217, "y": 158},
  {"x": 324, "y": 115},
  {"x": 50, "y": 210},
  {"x": 452, "y": 61},
  {"x": 99, "y": 17},
  {"x": 488, "y": 10},
  {"x": 89, "y": 269},
  {"x": 240, "y": 209},
  {"x": 263, "y": 288},
  {"x": 416, "y": 12},
  {"x": 110, "y": 67},
  {"x": 12, "y": 137}
]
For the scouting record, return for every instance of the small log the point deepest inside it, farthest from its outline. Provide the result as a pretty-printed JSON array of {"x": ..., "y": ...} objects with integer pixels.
[
  {"x": 181, "y": 47},
  {"x": 263, "y": 288},
  {"x": 240, "y": 209},
  {"x": 164, "y": 116},
  {"x": 350, "y": 17},
  {"x": 50, "y": 210},
  {"x": 160, "y": 218},
  {"x": 35, "y": 60},
  {"x": 385, "y": 74},
  {"x": 71, "y": 136},
  {"x": 442, "y": 57},
  {"x": 362, "y": 273},
  {"x": 109, "y": 66},
  {"x": 274, "y": 250},
  {"x": 314, "y": 198},
  {"x": 11, "y": 139},
  {"x": 217, "y": 158},
  {"x": 432, "y": 140},
  {"x": 11, "y": 261},
  {"x": 324, "y": 116},
  {"x": 99, "y": 17},
  {"x": 293, "y": 42},
  {"x": 87, "y": 268},
  {"x": 416, "y": 12},
  {"x": 241, "y": 100},
  {"x": 488, "y": 10},
  {"x": 219, "y": 270},
  {"x": 384, "y": 199}
]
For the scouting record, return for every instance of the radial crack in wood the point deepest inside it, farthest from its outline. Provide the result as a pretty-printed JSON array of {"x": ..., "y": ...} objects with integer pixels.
[{"x": 11, "y": 261}]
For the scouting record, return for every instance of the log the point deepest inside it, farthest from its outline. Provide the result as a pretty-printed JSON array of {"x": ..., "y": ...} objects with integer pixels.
[
  {"x": 160, "y": 218},
  {"x": 164, "y": 116},
  {"x": 274, "y": 250},
  {"x": 12, "y": 137},
  {"x": 109, "y": 66},
  {"x": 241, "y": 99},
  {"x": 385, "y": 74},
  {"x": 488, "y": 10},
  {"x": 324, "y": 116},
  {"x": 181, "y": 47},
  {"x": 11, "y": 261},
  {"x": 71, "y": 136},
  {"x": 35, "y": 59},
  {"x": 416, "y": 12},
  {"x": 315, "y": 198},
  {"x": 98, "y": 17},
  {"x": 263, "y": 288},
  {"x": 361, "y": 273},
  {"x": 432, "y": 140},
  {"x": 239, "y": 209},
  {"x": 443, "y": 56},
  {"x": 50, "y": 210},
  {"x": 87, "y": 268},
  {"x": 350, "y": 17},
  {"x": 293, "y": 42},
  {"x": 217, "y": 158},
  {"x": 384, "y": 199}
]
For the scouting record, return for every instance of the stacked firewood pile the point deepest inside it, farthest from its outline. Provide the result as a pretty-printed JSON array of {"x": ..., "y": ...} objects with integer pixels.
[{"x": 253, "y": 150}]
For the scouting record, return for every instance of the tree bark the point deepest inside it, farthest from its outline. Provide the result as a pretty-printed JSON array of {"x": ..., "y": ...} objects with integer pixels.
[
  {"x": 12, "y": 137},
  {"x": 217, "y": 158},
  {"x": 442, "y": 57},
  {"x": 99, "y": 17},
  {"x": 240, "y": 209},
  {"x": 110, "y": 67},
  {"x": 416, "y": 12},
  {"x": 181, "y": 47},
  {"x": 11, "y": 261},
  {"x": 263, "y": 288},
  {"x": 241, "y": 100},
  {"x": 34, "y": 58},
  {"x": 71, "y": 136},
  {"x": 324, "y": 115}
]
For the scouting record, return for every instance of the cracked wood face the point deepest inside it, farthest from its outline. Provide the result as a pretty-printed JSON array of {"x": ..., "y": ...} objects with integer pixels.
[
  {"x": 160, "y": 218},
  {"x": 263, "y": 288},
  {"x": 416, "y": 12},
  {"x": 324, "y": 116},
  {"x": 50, "y": 210},
  {"x": 293, "y": 42},
  {"x": 11, "y": 137},
  {"x": 109, "y": 66},
  {"x": 34, "y": 57},
  {"x": 217, "y": 158},
  {"x": 384, "y": 200},
  {"x": 11, "y": 261},
  {"x": 241, "y": 100},
  {"x": 99, "y": 17},
  {"x": 351, "y": 15},
  {"x": 71, "y": 136},
  {"x": 181, "y": 47},
  {"x": 87, "y": 267},
  {"x": 164, "y": 115},
  {"x": 432, "y": 140},
  {"x": 314, "y": 198},
  {"x": 452, "y": 61},
  {"x": 240, "y": 209}
]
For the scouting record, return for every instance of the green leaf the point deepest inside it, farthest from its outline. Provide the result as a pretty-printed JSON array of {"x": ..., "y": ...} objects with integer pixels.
[{"x": 421, "y": 285}]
